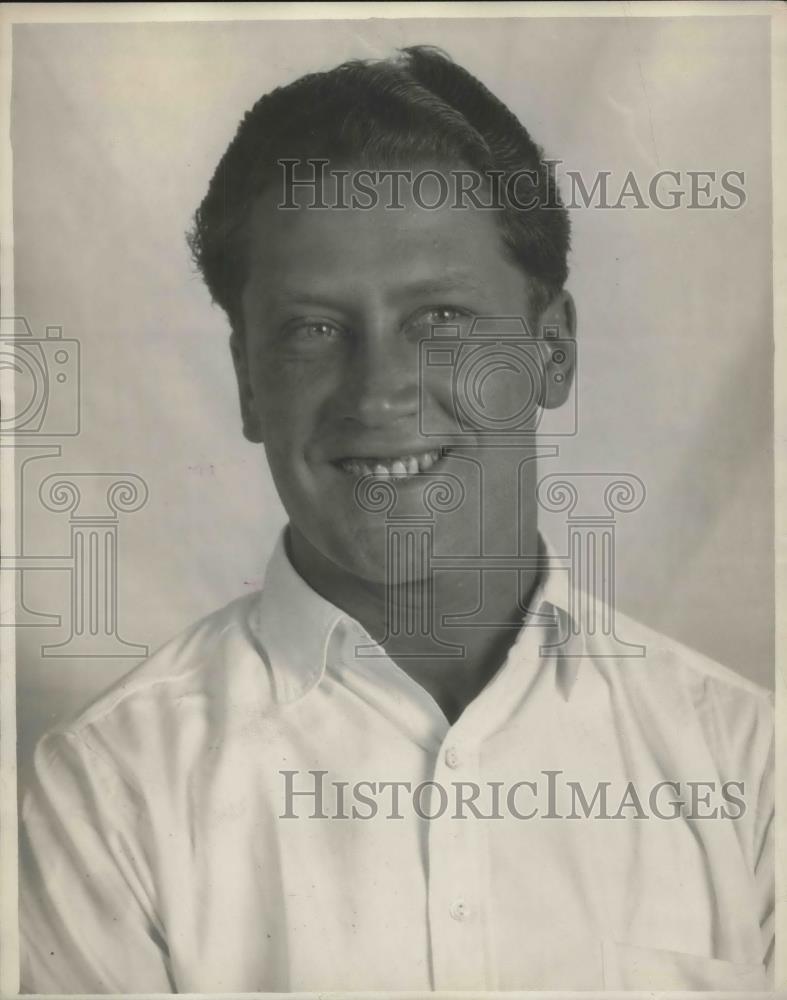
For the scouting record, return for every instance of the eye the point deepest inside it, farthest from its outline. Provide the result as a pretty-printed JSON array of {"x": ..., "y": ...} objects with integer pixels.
[
  {"x": 444, "y": 314},
  {"x": 440, "y": 315},
  {"x": 425, "y": 320},
  {"x": 313, "y": 330}
]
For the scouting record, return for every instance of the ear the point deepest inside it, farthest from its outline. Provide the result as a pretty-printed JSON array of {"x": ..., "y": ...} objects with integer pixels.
[
  {"x": 252, "y": 427},
  {"x": 556, "y": 333}
]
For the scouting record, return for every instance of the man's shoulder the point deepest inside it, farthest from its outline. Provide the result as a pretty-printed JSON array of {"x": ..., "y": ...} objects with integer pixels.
[
  {"x": 678, "y": 694},
  {"x": 211, "y": 660},
  {"x": 668, "y": 658},
  {"x": 681, "y": 690}
]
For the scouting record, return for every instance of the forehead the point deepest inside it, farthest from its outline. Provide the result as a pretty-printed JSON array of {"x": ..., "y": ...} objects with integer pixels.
[{"x": 340, "y": 247}]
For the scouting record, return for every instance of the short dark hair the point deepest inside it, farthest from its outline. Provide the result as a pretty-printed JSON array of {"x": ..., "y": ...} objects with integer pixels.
[{"x": 417, "y": 104}]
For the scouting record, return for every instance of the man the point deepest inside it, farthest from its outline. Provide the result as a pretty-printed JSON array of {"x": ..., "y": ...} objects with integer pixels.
[{"x": 406, "y": 764}]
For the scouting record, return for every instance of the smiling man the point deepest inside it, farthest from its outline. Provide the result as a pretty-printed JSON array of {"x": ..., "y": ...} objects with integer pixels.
[
  {"x": 328, "y": 348},
  {"x": 403, "y": 765}
]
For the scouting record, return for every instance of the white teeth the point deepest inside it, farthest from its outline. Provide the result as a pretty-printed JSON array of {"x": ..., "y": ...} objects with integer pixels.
[{"x": 409, "y": 465}]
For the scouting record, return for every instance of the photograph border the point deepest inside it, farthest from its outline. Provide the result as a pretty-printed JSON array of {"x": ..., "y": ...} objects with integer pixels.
[{"x": 21, "y": 13}]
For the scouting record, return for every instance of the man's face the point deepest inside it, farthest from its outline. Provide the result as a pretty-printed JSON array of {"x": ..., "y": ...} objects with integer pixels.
[{"x": 330, "y": 368}]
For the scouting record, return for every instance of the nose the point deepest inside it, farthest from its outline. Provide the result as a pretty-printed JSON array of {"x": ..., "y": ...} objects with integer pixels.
[{"x": 383, "y": 381}]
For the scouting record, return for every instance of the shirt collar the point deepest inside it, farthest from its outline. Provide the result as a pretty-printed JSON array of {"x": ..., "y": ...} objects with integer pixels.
[
  {"x": 293, "y": 624},
  {"x": 558, "y": 636}
]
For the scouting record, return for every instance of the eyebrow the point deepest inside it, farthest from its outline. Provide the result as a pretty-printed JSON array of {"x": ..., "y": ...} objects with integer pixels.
[
  {"x": 447, "y": 282},
  {"x": 450, "y": 282}
]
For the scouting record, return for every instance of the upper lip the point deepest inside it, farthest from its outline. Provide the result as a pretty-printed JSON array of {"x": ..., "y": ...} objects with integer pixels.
[{"x": 388, "y": 451}]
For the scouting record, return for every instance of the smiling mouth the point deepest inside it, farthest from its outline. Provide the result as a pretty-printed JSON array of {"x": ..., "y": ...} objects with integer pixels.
[{"x": 401, "y": 467}]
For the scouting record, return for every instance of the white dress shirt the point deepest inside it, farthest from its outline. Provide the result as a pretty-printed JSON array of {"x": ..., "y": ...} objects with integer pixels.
[{"x": 161, "y": 853}]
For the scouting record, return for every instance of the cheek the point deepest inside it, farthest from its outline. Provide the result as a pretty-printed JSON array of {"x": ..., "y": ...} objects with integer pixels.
[
  {"x": 290, "y": 396},
  {"x": 436, "y": 388}
]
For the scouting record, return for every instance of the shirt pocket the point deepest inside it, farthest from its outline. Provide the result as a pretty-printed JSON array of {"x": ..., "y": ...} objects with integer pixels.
[{"x": 631, "y": 967}]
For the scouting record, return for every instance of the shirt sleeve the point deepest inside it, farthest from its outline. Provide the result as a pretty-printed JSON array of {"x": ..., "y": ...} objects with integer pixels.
[{"x": 88, "y": 920}]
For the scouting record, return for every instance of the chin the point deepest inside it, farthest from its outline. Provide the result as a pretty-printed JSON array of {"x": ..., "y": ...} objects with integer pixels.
[
  {"x": 375, "y": 566},
  {"x": 363, "y": 554}
]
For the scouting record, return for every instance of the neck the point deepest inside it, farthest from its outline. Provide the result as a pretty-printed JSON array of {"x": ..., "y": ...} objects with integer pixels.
[{"x": 412, "y": 621}]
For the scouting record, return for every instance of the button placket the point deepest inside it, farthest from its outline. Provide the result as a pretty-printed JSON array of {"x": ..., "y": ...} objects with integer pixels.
[
  {"x": 459, "y": 864},
  {"x": 458, "y": 939}
]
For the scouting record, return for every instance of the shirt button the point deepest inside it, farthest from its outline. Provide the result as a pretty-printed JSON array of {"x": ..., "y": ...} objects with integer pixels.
[
  {"x": 452, "y": 757},
  {"x": 459, "y": 910}
]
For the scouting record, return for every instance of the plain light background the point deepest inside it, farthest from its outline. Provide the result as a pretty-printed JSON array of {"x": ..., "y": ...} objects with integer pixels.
[{"x": 116, "y": 131}]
